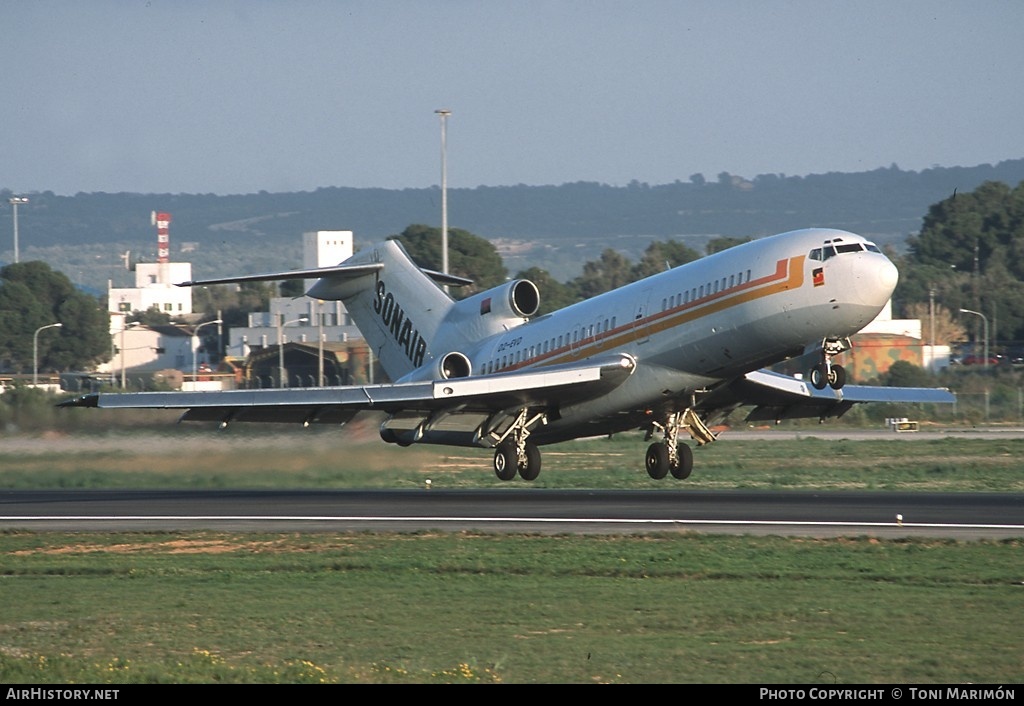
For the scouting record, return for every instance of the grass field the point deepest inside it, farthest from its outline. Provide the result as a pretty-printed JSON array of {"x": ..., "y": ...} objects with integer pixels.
[{"x": 466, "y": 608}]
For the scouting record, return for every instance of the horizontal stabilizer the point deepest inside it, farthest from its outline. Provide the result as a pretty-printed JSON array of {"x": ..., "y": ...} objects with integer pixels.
[{"x": 338, "y": 272}]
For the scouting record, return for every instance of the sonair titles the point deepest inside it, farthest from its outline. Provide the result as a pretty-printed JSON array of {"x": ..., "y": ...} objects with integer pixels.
[{"x": 401, "y": 327}]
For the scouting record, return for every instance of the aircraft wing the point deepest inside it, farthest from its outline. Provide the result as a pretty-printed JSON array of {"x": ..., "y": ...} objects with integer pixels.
[
  {"x": 774, "y": 396},
  {"x": 486, "y": 394}
]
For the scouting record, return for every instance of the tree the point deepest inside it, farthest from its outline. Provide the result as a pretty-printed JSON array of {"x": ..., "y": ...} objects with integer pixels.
[
  {"x": 723, "y": 242},
  {"x": 611, "y": 271},
  {"x": 663, "y": 255},
  {"x": 553, "y": 294},
  {"x": 150, "y": 317},
  {"x": 233, "y": 302},
  {"x": 469, "y": 256},
  {"x": 947, "y": 329},
  {"x": 33, "y": 295},
  {"x": 904, "y": 374},
  {"x": 970, "y": 252}
]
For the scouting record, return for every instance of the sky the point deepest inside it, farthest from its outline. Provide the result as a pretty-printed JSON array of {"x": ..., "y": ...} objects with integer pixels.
[{"x": 242, "y": 96}]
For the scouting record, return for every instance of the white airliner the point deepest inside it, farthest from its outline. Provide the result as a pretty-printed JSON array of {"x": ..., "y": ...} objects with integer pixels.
[{"x": 675, "y": 352}]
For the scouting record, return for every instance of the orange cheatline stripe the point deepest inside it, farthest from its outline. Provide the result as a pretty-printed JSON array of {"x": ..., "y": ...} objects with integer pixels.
[{"x": 789, "y": 274}]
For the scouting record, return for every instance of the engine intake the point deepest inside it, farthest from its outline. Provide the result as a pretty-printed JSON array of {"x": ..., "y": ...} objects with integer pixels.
[{"x": 454, "y": 365}]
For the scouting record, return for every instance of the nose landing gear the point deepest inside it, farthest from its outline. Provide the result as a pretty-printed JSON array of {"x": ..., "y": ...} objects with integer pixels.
[{"x": 825, "y": 374}]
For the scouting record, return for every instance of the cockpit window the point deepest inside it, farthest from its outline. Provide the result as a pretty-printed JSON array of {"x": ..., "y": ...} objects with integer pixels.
[
  {"x": 849, "y": 247},
  {"x": 838, "y": 247}
]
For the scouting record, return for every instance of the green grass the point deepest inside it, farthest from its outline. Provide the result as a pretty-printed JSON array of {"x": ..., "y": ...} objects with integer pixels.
[
  {"x": 203, "y": 607},
  {"x": 178, "y": 458},
  {"x": 392, "y": 608}
]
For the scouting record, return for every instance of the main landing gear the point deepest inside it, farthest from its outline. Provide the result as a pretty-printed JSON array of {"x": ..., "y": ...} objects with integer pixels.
[
  {"x": 514, "y": 453},
  {"x": 671, "y": 456},
  {"x": 825, "y": 374}
]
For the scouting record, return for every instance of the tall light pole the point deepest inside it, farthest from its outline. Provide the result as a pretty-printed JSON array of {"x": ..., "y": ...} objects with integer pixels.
[
  {"x": 320, "y": 344},
  {"x": 35, "y": 352},
  {"x": 281, "y": 381},
  {"x": 124, "y": 327},
  {"x": 444, "y": 113},
  {"x": 14, "y": 201},
  {"x": 984, "y": 320},
  {"x": 195, "y": 346}
]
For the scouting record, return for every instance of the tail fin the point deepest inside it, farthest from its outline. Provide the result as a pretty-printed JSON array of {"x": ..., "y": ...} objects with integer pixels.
[{"x": 397, "y": 306}]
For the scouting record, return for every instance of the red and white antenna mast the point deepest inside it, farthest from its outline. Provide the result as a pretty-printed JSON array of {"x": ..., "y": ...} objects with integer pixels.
[{"x": 162, "y": 221}]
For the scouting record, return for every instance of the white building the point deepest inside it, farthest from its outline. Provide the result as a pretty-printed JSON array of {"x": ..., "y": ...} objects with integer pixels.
[
  {"x": 301, "y": 319},
  {"x": 154, "y": 286},
  {"x": 140, "y": 351}
]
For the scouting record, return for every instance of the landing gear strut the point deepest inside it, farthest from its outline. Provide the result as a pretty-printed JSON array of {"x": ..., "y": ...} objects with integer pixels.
[
  {"x": 825, "y": 374},
  {"x": 671, "y": 456},
  {"x": 514, "y": 454}
]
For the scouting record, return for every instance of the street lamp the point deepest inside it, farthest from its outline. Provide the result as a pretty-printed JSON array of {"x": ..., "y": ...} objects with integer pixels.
[
  {"x": 281, "y": 382},
  {"x": 320, "y": 344},
  {"x": 124, "y": 327},
  {"x": 14, "y": 201},
  {"x": 444, "y": 113},
  {"x": 195, "y": 346},
  {"x": 985, "y": 321},
  {"x": 35, "y": 352}
]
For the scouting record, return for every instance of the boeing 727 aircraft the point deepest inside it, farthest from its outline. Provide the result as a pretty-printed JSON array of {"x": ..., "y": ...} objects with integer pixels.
[{"x": 673, "y": 353}]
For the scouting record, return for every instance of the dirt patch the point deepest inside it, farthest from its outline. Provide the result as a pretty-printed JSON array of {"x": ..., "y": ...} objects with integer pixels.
[{"x": 177, "y": 546}]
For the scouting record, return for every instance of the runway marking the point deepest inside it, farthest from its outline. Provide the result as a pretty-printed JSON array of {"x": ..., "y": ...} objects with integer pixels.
[{"x": 490, "y": 520}]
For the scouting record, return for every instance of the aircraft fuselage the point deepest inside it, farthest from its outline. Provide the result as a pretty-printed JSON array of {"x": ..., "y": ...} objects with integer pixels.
[{"x": 703, "y": 322}]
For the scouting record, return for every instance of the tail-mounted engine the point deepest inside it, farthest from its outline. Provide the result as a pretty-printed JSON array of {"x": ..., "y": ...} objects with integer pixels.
[
  {"x": 518, "y": 299},
  {"x": 453, "y": 365}
]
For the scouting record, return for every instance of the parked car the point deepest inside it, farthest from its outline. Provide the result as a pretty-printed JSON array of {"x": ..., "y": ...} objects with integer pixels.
[{"x": 980, "y": 360}]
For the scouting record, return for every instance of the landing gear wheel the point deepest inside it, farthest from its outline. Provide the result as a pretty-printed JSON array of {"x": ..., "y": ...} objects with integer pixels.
[
  {"x": 837, "y": 377},
  {"x": 818, "y": 377},
  {"x": 532, "y": 468},
  {"x": 685, "y": 467},
  {"x": 505, "y": 461},
  {"x": 657, "y": 461}
]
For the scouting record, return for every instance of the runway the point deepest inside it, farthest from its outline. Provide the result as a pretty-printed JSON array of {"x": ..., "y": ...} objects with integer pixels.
[{"x": 963, "y": 516}]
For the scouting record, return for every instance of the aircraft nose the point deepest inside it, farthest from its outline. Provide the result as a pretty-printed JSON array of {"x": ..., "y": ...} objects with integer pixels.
[
  {"x": 873, "y": 279},
  {"x": 877, "y": 280},
  {"x": 888, "y": 277}
]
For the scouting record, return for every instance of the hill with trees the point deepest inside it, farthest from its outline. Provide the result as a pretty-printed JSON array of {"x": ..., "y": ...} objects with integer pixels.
[{"x": 95, "y": 237}]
